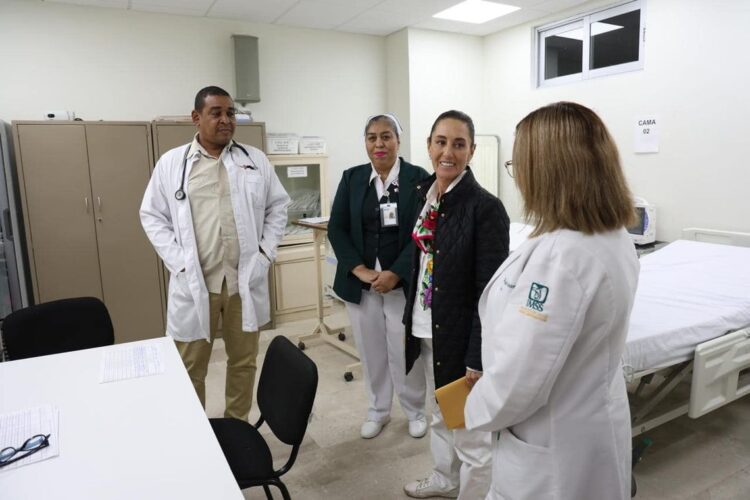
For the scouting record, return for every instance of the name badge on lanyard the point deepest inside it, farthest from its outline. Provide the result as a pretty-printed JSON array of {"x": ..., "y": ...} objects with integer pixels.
[{"x": 388, "y": 214}]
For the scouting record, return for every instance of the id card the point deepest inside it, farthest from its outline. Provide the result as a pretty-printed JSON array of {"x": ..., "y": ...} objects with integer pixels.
[{"x": 388, "y": 214}]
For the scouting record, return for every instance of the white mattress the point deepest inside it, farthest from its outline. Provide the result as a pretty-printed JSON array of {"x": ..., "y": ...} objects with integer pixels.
[{"x": 688, "y": 292}]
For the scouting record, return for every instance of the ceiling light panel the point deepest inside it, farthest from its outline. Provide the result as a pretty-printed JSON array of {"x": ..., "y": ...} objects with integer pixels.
[
  {"x": 421, "y": 9},
  {"x": 476, "y": 11},
  {"x": 489, "y": 28}
]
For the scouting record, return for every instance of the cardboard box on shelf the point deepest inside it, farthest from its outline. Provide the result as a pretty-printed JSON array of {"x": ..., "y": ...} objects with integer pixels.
[
  {"x": 282, "y": 144},
  {"x": 312, "y": 145}
]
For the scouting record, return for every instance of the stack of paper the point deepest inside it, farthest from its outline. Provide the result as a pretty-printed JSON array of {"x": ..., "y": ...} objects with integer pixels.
[
  {"x": 18, "y": 426},
  {"x": 314, "y": 220}
]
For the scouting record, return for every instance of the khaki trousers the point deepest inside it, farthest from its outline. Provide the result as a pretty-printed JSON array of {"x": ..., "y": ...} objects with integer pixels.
[{"x": 241, "y": 348}]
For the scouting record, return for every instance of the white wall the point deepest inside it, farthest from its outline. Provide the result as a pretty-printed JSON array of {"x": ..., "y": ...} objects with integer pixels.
[
  {"x": 445, "y": 72},
  {"x": 124, "y": 65},
  {"x": 397, "y": 78},
  {"x": 115, "y": 65},
  {"x": 695, "y": 78}
]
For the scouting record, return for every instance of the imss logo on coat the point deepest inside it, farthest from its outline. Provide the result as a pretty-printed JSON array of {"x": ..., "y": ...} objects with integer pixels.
[
  {"x": 538, "y": 294},
  {"x": 537, "y": 297}
]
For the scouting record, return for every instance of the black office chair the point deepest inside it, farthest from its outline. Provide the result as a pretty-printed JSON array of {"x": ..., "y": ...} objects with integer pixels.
[
  {"x": 286, "y": 391},
  {"x": 55, "y": 327}
]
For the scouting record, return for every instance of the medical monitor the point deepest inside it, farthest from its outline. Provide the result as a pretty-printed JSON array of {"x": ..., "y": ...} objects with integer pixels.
[{"x": 643, "y": 232}]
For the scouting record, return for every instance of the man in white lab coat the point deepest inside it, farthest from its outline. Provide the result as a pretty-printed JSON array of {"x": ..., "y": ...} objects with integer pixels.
[
  {"x": 215, "y": 212},
  {"x": 555, "y": 318}
]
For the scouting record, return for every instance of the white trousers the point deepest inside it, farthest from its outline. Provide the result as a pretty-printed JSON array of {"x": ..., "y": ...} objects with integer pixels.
[
  {"x": 379, "y": 336},
  {"x": 462, "y": 458}
]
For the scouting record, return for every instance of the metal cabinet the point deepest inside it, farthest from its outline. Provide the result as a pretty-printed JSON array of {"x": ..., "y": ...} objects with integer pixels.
[
  {"x": 81, "y": 187},
  {"x": 170, "y": 134}
]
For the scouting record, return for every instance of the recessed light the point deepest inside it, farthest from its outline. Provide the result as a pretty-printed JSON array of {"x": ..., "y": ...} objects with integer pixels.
[{"x": 476, "y": 11}]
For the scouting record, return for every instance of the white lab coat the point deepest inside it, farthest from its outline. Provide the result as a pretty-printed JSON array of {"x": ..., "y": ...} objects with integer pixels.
[
  {"x": 554, "y": 322},
  {"x": 259, "y": 202}
]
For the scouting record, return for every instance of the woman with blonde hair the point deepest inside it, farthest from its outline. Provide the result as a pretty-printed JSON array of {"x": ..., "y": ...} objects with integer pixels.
[{"x": 555, "y": 318}]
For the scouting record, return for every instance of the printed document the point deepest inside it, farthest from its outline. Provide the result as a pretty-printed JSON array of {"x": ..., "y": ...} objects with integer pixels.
[
  {"x": 131, "y": 361},
  {"x": 315, "y": 220},
  {"x": 19, "y": 426}
]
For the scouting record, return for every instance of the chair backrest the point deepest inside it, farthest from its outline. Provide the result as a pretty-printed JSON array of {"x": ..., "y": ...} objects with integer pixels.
[
  {"x": 55, "y": 327},
  {"x": 286, "y": 390}
]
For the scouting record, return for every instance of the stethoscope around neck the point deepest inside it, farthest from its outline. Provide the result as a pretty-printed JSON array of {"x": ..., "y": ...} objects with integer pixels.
[{"x": 180, "y": 193}]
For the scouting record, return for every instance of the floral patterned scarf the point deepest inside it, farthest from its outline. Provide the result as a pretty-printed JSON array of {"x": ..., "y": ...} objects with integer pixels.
[{"x": 423, "y": 235}]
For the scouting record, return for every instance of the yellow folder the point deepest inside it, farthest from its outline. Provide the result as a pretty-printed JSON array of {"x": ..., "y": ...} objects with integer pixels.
[{"x": 451, "y": 399}]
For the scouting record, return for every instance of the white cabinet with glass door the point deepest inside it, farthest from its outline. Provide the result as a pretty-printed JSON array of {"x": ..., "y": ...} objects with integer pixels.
[
  {"x": 294, "y": 272},
  {"x": 304, "y": 178}
]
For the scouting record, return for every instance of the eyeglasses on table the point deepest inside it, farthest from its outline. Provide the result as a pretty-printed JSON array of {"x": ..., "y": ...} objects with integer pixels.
[{"x": 30, "y": 446}]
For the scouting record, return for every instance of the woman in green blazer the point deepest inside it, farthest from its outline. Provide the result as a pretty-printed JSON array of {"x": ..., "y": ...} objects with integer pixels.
[{"x": 370, "y": 231}]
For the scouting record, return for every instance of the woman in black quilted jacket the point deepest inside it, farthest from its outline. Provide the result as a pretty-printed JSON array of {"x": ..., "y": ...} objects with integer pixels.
[{"x": 462, "y": 237}]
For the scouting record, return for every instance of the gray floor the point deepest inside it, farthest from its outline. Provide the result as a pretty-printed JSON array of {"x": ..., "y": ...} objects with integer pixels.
[{"x": 703, "y": 459}]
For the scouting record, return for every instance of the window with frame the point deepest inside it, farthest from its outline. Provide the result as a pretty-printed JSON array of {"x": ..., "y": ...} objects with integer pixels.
[{"x": 599, "y": 43}]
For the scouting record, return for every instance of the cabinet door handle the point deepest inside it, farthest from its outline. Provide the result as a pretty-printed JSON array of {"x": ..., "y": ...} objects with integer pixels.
[
  {"x": 86, "y": 203},
  {"x": 99, "y": 202}
]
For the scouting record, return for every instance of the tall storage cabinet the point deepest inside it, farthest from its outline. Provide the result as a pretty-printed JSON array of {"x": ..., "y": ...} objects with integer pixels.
[
  {"x": 294, "y": 279},
  {"x": 81, "y": 187},
  {"x": 170, "y": 134}
]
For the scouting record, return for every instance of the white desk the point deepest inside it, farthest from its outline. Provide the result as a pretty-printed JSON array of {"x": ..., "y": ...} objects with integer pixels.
[{"x": 142, "y": 438}]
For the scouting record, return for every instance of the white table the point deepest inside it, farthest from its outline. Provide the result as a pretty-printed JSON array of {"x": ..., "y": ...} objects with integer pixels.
[{"x": 142, "y": 438}]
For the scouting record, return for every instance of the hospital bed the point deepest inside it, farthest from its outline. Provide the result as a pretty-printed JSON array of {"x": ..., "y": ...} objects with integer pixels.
[{"x": 688, "y": 346}]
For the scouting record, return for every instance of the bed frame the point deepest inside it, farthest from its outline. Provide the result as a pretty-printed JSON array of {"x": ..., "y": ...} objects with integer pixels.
[{"x": 719, "y": 372}]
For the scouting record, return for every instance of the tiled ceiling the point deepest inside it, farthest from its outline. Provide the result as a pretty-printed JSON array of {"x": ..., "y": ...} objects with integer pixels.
[{"x": 375, "y": 17}]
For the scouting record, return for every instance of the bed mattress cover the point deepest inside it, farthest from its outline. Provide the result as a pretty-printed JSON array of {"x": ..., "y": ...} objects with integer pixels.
[{"x": 688, "y": 292}]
